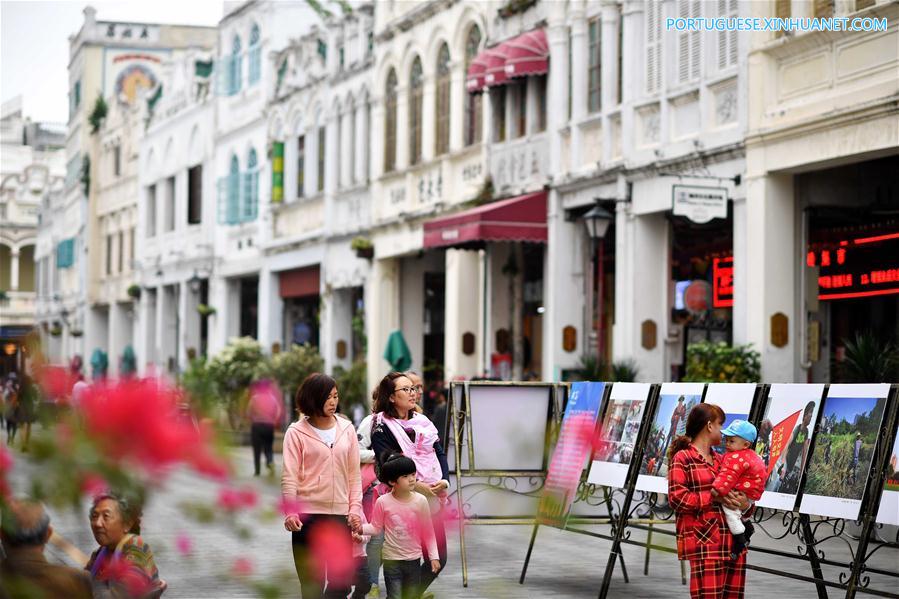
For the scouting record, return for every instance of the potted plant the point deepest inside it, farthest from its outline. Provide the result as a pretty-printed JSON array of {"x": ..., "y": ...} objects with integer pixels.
[
  {"x": 76, "y": 332},
  {"x": 363, "y": 247},
  {"x": 205, "y": 310},
  {"x": 56, "y": 330},
  {"x": 134, "y": 291}
]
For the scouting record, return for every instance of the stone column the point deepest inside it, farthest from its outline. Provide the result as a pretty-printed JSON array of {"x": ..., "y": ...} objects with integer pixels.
[
  {"x": 631, "y": 74},
  {"x": 219, "y": 297},
  {"x": 771, "y": 273},
  {"x": 382, "y": 293},
  {"x": 579, "y": 48},
  {"x": 652, "y": 245},
  {"x": 557, "y": 100},
  {"x": 271, "y": 310},
  {"x": 624, "y": 343},
  {"x": 428, "y": 114},
  {"x": 463, "y": 311},
  {"x": 458, "y": 95},
  {"x": 360, "y": 164},
  {"x": 347, "y": 150},
  {"x": 14, "y": 270},
  {"x": 610, "y": 23},
  {"x": 402, "y": 124},
  {"x": 565, "y": 290},
  {"x": 376, "y": 124}
]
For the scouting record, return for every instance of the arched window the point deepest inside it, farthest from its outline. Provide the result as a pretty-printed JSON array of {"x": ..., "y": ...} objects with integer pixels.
[
  {"x": 255, "y": 52},
  {"x": 416, "y": 96},
  {"x": 251, "y": 188},
  {"x": 235, "y": 67},
  {"x": 390, "y": 122},
  {"x": 472, "y": 101},
  {"x": 442, "y": 111}
]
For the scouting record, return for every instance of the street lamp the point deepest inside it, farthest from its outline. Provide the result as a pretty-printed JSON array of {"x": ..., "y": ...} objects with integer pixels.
[
  {"x": 597, "y": 220},
  {"x": 194, "y": 283}
]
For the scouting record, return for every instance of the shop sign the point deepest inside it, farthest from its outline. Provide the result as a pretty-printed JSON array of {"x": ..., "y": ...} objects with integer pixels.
[
  {"x": 723, "y": 282},
  {"x": 699, "y": 204},
  {"x": 858, "y": 268}
]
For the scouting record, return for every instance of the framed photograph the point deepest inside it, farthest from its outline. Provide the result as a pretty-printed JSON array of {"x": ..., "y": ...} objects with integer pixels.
[
  {"x": 572, "y": 451},
  {"x": 508, "y": 426},
  {"x": 785, "y": 437},
  {"x": 844, "y": 447},
  {"x": 614, "y": 448},
  {"x": 888, "y": 513},
  {"x": 669, "y": 421},
  {"x": 734, "y": 398}
]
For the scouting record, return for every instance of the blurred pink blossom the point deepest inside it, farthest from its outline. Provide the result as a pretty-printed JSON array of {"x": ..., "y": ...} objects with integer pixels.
[
  {"x": 231, "y": 500},
  {"x": 242, "y": 567},
  {"x": 184, "y": 544},
  {"x": 93, "y": 484}
]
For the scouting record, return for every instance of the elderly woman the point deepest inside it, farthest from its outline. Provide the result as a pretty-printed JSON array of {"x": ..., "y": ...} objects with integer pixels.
[
  {"x": 123, "y": 566},
  {"x": 398, "y": 428}
]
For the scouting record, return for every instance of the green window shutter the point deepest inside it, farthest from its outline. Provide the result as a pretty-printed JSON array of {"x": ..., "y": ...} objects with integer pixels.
[
  {"x": 65, "y": 253},
  {"x": 203, "y": 68},
  {"x": 277, "y": 171}
]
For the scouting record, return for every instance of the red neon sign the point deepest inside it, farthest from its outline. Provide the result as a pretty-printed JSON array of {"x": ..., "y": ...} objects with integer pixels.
[
  {"x": 864, "y": 267},
  {"x": 723, "y": 282}
]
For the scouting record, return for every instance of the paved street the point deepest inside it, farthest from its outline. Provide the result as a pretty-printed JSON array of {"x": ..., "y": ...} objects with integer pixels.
[{"x": 564, "y": 564}]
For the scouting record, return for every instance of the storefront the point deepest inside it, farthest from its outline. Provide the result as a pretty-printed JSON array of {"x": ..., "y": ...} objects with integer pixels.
[
  {"x": 851, "y": 269},
  {"x": 496, "y": 327},
  {"x": 299, "y": 290}
]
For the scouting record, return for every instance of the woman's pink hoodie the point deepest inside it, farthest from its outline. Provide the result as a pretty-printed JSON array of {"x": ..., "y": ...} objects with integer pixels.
[{"x": 324, "y": 480}]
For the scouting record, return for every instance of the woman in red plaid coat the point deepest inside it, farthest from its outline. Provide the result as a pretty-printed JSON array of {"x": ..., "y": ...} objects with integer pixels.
[{"x": 702, "y": 534}]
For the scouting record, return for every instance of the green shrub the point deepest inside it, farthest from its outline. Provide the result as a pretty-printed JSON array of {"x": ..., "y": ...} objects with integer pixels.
[
  {"x": 721, "y": 363},
  {"x": 352, "y": 386},
  {"x": 290, "y": 367},
  {"x": 232, "y": 370},
  {"x": 869, "y": 360}
]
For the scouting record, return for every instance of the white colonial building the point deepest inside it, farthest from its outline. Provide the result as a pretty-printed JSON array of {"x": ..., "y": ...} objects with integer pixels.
[
  {"x": 822, "y": 152},
  {"x": 113, "y": 67},
  {"x": 318, "y": 137},
  {"x": 428, "y": 158},
  {"x": 176, "y": 234},
  {"x": 31, "y": 179},
  {"x": 241, "y": 289}
]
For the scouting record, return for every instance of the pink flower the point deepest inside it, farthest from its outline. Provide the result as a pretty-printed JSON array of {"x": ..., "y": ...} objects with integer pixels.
[
  {"x": 332, "y": 549},
  {"x": 231, "y": 499},
  {"x": 184, "y": 544},
  {"x": 93, "y": 485},
  {"x": 6, "y": 464},
  {"x": 242, "y": 567}
]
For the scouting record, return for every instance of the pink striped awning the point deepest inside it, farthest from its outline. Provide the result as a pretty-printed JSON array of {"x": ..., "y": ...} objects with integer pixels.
[
  {"x": 522, "y": 218},
  {"x": 495, "y": 59},
  {"x": 474, "y": 79},
  {"x": 527, "y": 54}
]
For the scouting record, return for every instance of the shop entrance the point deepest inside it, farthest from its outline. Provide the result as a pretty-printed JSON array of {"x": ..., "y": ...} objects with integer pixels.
[
  {"x": 851, "y": 266},
  {"x": 702, "y": 277}
]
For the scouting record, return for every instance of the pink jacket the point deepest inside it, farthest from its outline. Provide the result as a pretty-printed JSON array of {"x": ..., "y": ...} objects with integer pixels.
[{"x": 324, "y": 480}]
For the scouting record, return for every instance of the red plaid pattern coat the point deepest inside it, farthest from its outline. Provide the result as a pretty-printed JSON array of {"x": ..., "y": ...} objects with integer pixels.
[{"x": 702, "y": 532}]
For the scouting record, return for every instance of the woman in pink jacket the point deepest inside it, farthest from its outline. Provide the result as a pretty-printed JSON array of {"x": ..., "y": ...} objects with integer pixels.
[{"x": 321, "y": 476}]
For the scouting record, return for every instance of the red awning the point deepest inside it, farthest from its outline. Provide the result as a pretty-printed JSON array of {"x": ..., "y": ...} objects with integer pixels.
[
  {"x": 474, "y": 80},
  {"x": 495, "y": 59},
  {"x": 527, "y": 54},
  {"x": 516, "y": 219},
  {"x": 299, "y": 282}
]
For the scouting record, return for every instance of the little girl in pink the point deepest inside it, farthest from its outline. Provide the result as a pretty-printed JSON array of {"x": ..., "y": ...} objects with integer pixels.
[{"x": 405, "y": 518}]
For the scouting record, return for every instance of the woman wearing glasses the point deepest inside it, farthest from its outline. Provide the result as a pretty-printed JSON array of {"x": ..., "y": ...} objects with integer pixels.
[{"x": 398, "y": 428}]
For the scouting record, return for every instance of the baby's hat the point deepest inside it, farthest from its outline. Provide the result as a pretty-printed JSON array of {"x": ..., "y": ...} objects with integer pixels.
[{"x": 742, "y": 429}]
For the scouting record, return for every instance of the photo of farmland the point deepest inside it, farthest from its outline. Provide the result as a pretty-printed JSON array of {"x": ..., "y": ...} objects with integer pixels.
[{"x": 844, "y": 447}]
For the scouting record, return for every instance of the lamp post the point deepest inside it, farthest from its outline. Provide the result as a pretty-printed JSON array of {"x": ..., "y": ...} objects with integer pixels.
[
  {"x": 194, "y": 283},
  {"x": 597, "y": 220}
]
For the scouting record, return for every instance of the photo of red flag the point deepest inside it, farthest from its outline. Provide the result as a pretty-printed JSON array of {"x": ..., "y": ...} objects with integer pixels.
[{"x": 780, "y": 434}]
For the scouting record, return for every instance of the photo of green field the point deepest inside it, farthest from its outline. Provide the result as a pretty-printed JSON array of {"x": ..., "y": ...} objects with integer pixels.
[
  {"x": 892, "y": 481},
  {"x": 844, "y": 447}
]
